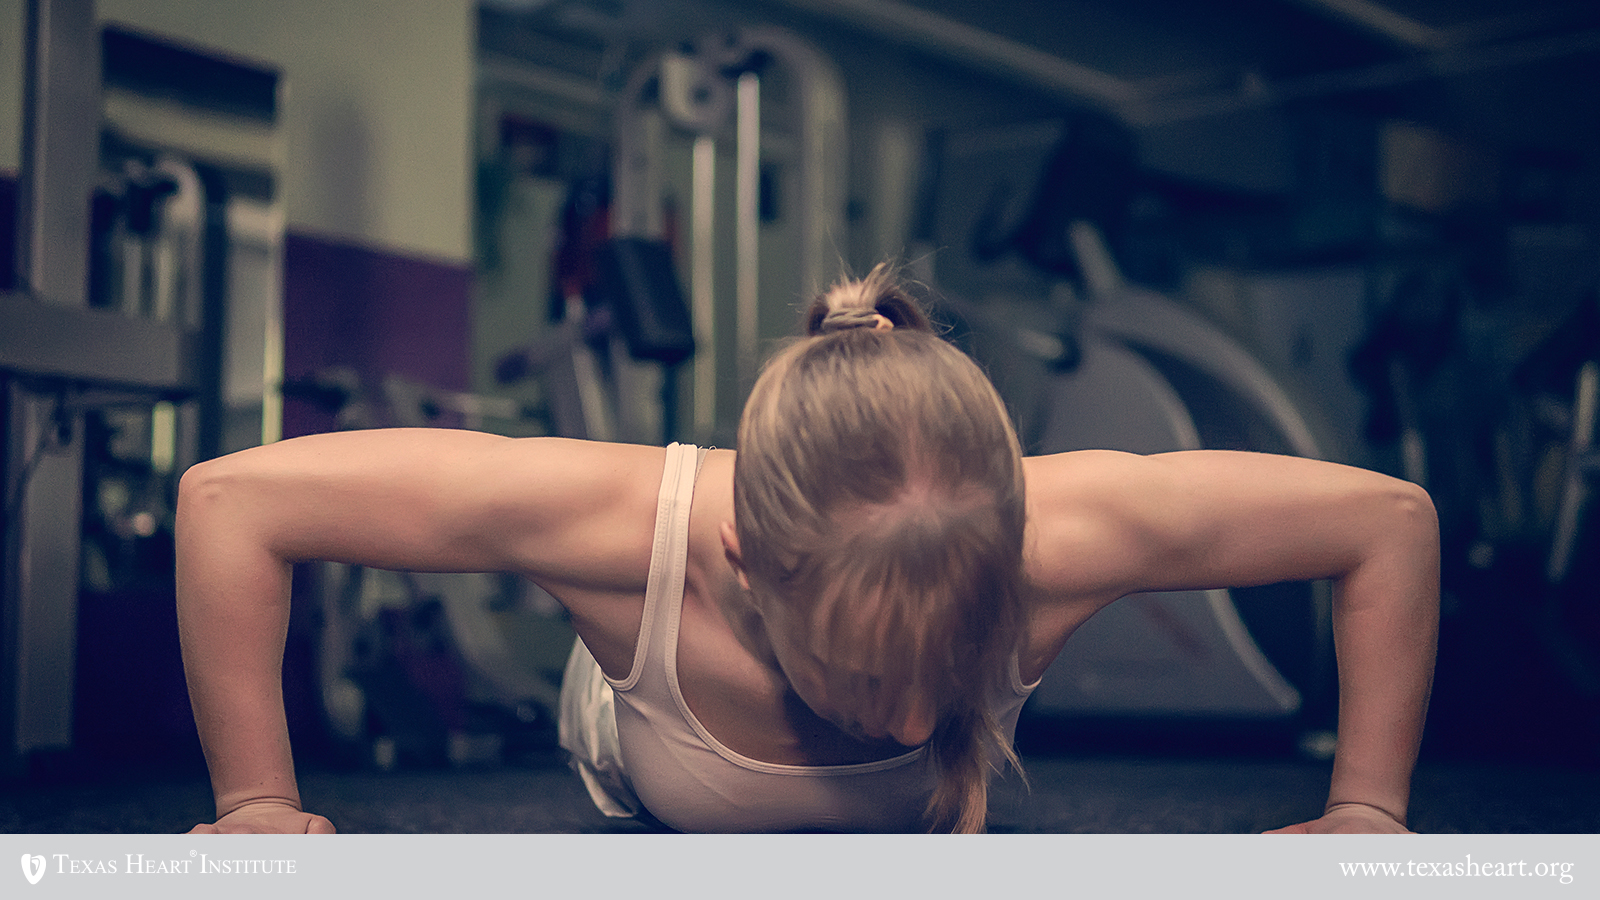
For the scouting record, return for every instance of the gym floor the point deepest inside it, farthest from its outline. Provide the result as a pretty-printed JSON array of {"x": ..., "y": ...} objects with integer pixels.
[{"x": 1066, "y": 794}]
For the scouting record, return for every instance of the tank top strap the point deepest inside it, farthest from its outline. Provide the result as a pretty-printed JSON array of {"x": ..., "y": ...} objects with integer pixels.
[{"x": 669, "y": 559}]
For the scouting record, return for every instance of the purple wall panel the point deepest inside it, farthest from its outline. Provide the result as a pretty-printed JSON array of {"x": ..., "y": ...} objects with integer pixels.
[{"x": 376, "y": 312}]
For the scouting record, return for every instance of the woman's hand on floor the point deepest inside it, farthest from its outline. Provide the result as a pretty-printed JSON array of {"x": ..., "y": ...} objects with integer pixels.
[
  {"x": 267, "y": 817},
  {"x": 1348, "y": 818}
]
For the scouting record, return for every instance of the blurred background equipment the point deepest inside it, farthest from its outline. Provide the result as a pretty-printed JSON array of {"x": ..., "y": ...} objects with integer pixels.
[{"x": 1368, "y": 232}]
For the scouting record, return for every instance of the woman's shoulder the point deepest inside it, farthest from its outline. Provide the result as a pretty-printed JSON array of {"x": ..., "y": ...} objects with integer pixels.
[
  {"x": 1080, "y": 487},
  {"x": 1076, "y": 556},
  {"x": 1081, "y": 508},
  {"x": 1077, "y": 468}
]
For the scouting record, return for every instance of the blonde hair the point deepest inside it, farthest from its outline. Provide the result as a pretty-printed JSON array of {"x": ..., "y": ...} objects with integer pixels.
[{"x": 878, "y": 497}]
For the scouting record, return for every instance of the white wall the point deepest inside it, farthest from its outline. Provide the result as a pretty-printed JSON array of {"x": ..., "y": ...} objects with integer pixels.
[
  {"x": 378, "y": 113},
  {"x": 13, "y": 15}
]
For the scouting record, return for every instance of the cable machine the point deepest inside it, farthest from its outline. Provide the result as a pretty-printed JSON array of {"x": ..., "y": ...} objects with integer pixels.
[{"x": 143, "y": 334}]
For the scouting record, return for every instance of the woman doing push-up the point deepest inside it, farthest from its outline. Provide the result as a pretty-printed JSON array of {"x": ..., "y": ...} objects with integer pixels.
[{"x": 834, "y": 627}]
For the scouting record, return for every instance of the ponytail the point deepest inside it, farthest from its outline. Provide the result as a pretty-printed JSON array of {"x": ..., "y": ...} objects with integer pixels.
[{"x": 870, "y": 403}]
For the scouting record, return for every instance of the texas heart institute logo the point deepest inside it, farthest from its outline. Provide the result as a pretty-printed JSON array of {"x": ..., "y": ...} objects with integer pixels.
[{"x": 32, "y": 868}]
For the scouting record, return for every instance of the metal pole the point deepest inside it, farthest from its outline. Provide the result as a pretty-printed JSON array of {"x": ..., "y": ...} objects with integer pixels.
[
  {"x": 702, "y": 285},
  {"x": 747, "y": 226},
  {"x": 44, "y": 452}
]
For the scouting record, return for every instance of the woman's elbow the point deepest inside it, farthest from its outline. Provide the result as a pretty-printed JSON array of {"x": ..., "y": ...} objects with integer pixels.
[
  {"x": 1399, "y": 533},
  {"x": 1411, "y": 511},
  {"x": 202, "y": 485},
  {"x": 212, "y": 492}
]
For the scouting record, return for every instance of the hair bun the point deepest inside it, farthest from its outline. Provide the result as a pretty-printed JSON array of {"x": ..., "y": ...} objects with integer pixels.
[
  {"x": 851, "y": 318},
  {"x": 875, "y": 302}
]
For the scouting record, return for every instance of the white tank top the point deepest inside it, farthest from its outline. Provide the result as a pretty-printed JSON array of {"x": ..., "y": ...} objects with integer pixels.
[{"x": 687, "y": 778}]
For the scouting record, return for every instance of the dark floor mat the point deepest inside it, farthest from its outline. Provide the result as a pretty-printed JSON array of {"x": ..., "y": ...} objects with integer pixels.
[{"x": 1064, "y": 794}]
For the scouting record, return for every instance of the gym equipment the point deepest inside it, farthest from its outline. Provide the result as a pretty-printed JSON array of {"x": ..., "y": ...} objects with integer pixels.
[
  {"x": 458, "y": 668},
  {"x": 1582, "y": 463},
  {"x": 1112, "y": 365},
  {"x": 120, "y": 112},
  {"x": 638, "y": 283},
  {"x": 1573, "y": 650},
  {"x": 431, "y": 667},
  {"x": 784, "y": 249},
  {"x": 1156, "y": 377},
  {"x": 1140, "y": 373},
  {"x": 680, "y": 113}
]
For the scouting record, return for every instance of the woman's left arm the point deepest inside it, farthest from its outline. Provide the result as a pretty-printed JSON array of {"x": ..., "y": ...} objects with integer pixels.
[{"x": 1219, "y": 519}]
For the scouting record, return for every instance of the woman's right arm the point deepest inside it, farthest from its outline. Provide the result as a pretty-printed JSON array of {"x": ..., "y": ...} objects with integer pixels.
[{"x": 576, "y": 516}]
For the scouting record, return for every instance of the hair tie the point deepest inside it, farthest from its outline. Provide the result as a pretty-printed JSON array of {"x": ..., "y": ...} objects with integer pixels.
[{"x": 849, "y": 319}]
